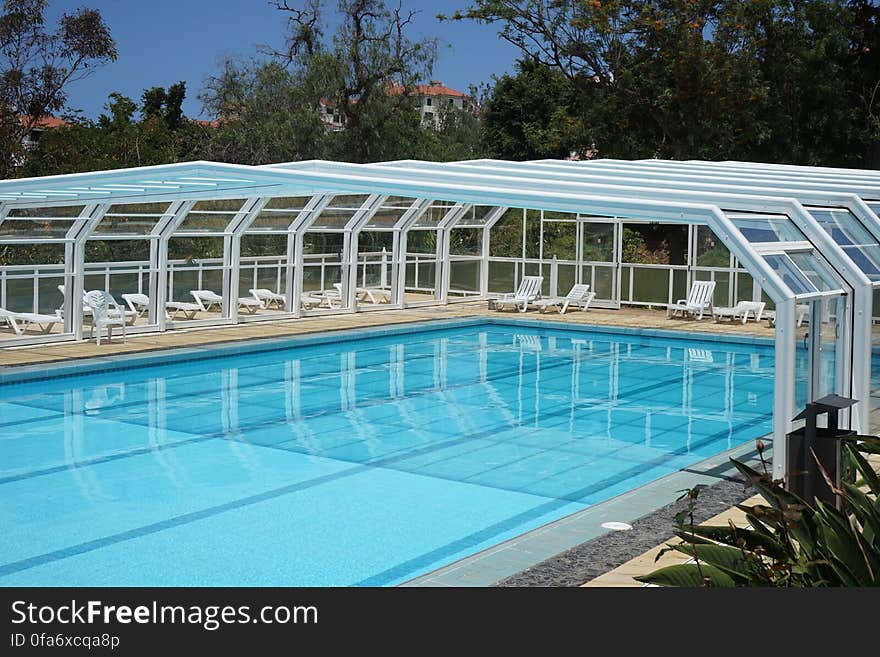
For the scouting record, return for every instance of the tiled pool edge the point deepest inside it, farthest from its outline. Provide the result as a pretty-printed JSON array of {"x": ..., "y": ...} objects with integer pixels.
[
  {"x": 516, "y": 555},
  {"x": 12, "y": 374}
]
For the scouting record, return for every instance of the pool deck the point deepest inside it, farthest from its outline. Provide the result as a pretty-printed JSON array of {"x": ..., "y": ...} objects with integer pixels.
[
  {"x": 198, "y": 337},
  {"x": 635, "y": 318}
]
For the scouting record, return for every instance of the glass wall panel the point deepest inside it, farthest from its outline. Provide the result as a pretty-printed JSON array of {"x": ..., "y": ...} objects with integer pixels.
[
  {"x": 374, "y": 270},
  {"x": 421, "y": 265},
  {"x": 790, "y": 274},
  {"x": 265, "y": 270},
  {"x": 195, "y": 264},
  {"x": 767, "y": 229},
  {"x": 324, "y": 271},
  {"x": 853, "y": 237},
  {"x": 505, "y": 237}
]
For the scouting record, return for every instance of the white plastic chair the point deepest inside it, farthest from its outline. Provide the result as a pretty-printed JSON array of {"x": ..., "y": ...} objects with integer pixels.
[
  {"x": 579, "y": 296},
  {"x": 529, "y": 291},
  {"x": 698, "y": 302},
  {"x": 106, "y": 313}
]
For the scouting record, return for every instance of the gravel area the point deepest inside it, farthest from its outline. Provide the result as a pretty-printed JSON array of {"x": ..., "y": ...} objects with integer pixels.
[{"x": 603, "y": 553}]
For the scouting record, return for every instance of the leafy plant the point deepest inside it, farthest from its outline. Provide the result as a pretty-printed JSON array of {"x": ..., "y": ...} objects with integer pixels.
[{"x": 788, "y": 543}]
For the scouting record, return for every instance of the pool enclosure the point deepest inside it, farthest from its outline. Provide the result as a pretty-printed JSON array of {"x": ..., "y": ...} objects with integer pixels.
[{"x": 202, "y": 243}]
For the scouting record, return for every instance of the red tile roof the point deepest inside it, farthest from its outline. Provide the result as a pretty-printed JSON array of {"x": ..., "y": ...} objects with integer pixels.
[
  {"x": 435, "y": 88},
  {"x": 45, "y": 123}
]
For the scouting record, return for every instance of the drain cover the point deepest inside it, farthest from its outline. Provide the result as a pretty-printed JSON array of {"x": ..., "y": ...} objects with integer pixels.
[{"x": 616, "y": 526}]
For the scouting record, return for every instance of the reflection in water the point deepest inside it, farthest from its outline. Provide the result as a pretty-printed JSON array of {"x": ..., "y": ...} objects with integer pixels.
[{"x": 563, "y": 414}]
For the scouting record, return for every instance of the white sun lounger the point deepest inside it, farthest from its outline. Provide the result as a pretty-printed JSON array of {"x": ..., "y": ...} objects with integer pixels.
[
  {"x": 268, "y": 297},
  {"x": 140, "y": 303},
  {"x": 374, "y": 295},
  {"x": 740, "y": 311},
  {"x": 208, "y": 298},
  {"x": 579, "y": 296},
  {"x": 801, "y": 311},
  {"x": 529, "y": 291},
  {"x": 698, "y": 302},
  {"x": 45, "y": 322}
]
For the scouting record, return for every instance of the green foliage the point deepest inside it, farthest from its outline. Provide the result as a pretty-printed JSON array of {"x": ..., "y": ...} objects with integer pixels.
[
  {"x": 527, "y": 115},
  {"x": 788, "y": 542},
  {"x": 37, "y": 66},
  {"x": 767, "y": 80}
]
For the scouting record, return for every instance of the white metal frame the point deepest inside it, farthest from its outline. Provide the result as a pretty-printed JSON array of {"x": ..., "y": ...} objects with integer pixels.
[{"x": 635, "y": 194}]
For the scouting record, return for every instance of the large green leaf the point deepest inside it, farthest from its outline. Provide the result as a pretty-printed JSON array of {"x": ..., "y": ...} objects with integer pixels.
[
  {"x": 864, "y": 468},
  {"x": 688, "y": 575},
  {"x": 751, "y": 539},
  {"x": 725, "y": 558}
]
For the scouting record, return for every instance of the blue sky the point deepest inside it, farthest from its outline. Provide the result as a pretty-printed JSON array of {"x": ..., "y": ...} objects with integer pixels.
[{"x": 163, "y": 41}]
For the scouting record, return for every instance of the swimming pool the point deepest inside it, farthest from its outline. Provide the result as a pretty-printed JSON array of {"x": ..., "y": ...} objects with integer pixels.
[{"x": 361, "y": 461}]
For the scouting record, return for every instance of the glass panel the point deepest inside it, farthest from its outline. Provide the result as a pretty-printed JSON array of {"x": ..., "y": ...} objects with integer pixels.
[
  {"x": 273, "y": 220},
  {"x": 477, "y": 215},
  {"x": 865, "y": 258},
  {"x": 598, "y": 242},
  {"x": 60, "y": 211},
  {"x": 137, "y": 251},
  {"x": 505, "y": 237},
  {"x": 116, "y": 224},
  {"x": 651, "y": 285},
  {"x": 386, "y": 218},
  {"x": 501, "y": 277},
  {"x": 818, "y": 275},
  {"x": 768, "y": 229},
  {"x": 220, "y": 205},
  {"x": 421, "y": 241},
  {"x": 141, "y": 208},
  {"x": 263, "y": 245},
  {"x": 711, "y": 252},
  {"x": 859, "y": 244},
  {"x": 435, "y": 214},
  {"x": 744, "y": 284},
  {"x": 655, "y": 244},
  {"x": 603, "y": 285},
  {"x": 565, "y": 278},
  {"x": 464, "y": 276},
  {"x": 194, "y": 248},
  {"x": 466, "y": 241},
  {"x": 323, "y": 243},
  {"x": 399, "y": 202},
  {"x": 351, "y": 202},
  {"x": 533, "y": 233},
  {"x": 37, "y": 228},
  {"x": 560, "y": 240},
  {"x": 201, "y": 222},
  {"x": 288, "y": 203},
  {"x": 34, "y": 254},
  {"x": 790, "y": 274},
  {"x": 333, "y": 218}
]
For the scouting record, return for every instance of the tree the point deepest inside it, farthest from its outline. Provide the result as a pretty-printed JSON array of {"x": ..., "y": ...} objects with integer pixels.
[
  {"x": 266, "y": 113},
  {"x": 779, "y": 80},
  {"x": 528, "y": 116},
  {"x": 37, "y": 66},
  {"x": 127, "y": 135},
  {"x": 359, "y": 70}
]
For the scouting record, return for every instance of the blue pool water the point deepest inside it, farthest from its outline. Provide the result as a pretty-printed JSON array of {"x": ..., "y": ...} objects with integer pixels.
[{"x": 364, "y": 462}]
